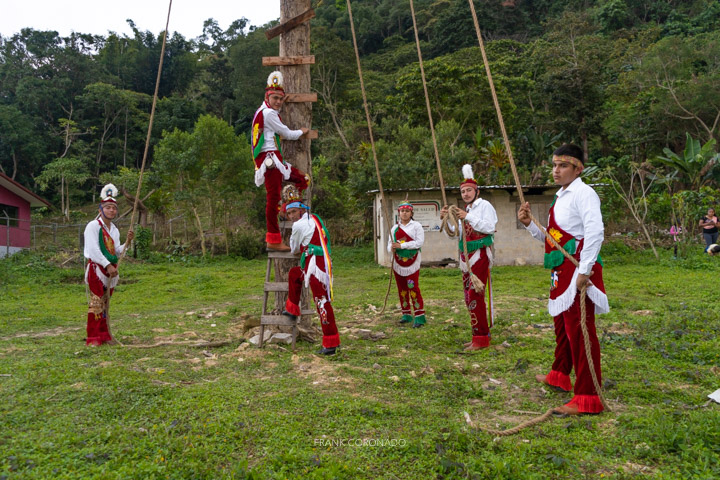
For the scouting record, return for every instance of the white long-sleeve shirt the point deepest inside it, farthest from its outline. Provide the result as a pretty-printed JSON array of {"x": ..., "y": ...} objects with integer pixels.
[
  {"x": 414, "y": 230},
  {"x": 272, "y": 125},
  {"x": 577, "y": 211},
  {"x": 92, "y": 246},
  {"x": 481, "y": 216},
  {"x": 302, "y": 232}
]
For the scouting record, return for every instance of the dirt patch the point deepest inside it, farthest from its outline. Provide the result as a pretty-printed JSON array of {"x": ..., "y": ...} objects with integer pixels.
[
  {"x": 620, "y": 328},
  {"x": 54, "y": 332},
  {"x": 319, "y": 370}
]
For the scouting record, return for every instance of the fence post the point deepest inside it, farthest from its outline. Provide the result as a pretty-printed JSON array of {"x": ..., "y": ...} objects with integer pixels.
[
  {"x": 55, "y": 233},
  {"x": 7, "y": 231},
  {"x": 33, "y": 235},
  {"x": 171, "y": 232}
]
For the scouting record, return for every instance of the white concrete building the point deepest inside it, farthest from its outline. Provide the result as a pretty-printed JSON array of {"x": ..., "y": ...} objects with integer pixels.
[{"x": 513, "y": 245}]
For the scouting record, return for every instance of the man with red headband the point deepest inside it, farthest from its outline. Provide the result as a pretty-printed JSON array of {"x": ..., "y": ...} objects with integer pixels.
[
  {"x": 270, "y": 168},
  {"x": 102, "y": 247},
  {"x": 310, "y": 237},
  {"x": 477, "y": 224},
  {"x": 406, "y": 240},
  {"x": 576, "y": 224}
]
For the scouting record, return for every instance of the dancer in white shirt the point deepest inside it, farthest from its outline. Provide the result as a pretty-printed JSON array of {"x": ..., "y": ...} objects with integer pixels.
[
  {"x": 102, "y": 247},
  {"x": 575, "y": 222},
  {"x": 270, "y": 168},
  {"x": 406, "y": 240},
  {"x": 477, "y": 223},
  {"x": 311, "y": 238}
]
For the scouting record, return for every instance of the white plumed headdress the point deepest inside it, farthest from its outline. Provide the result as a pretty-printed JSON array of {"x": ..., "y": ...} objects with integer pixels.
[
  {"x": 275, "y": 83},
  {"x": 108, "y": 193},
  {"x": 469, "y": 177}
]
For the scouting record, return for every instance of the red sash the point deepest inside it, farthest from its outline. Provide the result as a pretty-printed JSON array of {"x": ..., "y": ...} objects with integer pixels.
[
  {"x": 257, "y": 137},
  {"x": 563, "y": 269},
  {"x": 401, "y": 236}
]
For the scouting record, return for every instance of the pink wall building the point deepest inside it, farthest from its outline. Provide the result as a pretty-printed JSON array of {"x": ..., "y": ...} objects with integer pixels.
[{"x": 16, "y": 200}]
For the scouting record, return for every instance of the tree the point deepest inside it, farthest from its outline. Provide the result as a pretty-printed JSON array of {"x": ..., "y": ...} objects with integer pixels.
[
  {"x": 694, "y": 165},
  {"x": 204, "y": 171},
  {"x": 19, "y": 141},
  {"x": 680, "y": 79},
  {"x": 68, "y": 171},
  {"x": 635, "y": 195}
]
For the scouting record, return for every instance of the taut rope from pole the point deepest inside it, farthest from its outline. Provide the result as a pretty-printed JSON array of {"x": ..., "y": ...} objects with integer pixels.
[
  {"x": 386, "y": 208},
  {"x": 150, "y": 124},
  {"x": 427, "y": 104},
  {"x": 583, "y": 320},
  {"x": 106, "y": 297}
]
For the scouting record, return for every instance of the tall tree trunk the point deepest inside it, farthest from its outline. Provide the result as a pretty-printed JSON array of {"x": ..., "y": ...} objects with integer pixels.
[
  {"x": 15, "y": 164},
  {"x": 201, "y": 234},
  {"x": 296, "y": 42},
  {"x": 125, "y": 141},
  {"x": 62, "y": 195}
]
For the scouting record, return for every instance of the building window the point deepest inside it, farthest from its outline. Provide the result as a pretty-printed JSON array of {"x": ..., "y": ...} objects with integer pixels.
[{"x": 9, "y": 211}]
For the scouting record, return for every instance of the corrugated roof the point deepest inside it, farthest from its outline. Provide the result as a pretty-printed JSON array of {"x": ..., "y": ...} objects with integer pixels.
[
  {"x": 481, "y": 187},
  {"x": 22, "y": 192}
]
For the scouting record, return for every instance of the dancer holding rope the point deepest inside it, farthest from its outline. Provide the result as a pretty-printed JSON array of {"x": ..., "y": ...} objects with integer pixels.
[
  {"x": 406, "y": 240},
  {"x": 477, "y": 224},
  {"x": 270, "y": 168},
  {"x": 102, "y": 247},
  {"x": 575, "y": 222}
]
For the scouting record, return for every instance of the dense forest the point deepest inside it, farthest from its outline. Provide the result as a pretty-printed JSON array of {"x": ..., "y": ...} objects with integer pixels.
[{"x": 636, "y": 83}]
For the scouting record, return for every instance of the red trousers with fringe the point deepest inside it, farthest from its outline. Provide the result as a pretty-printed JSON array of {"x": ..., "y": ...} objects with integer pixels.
[{"x": 296, "y": 278}]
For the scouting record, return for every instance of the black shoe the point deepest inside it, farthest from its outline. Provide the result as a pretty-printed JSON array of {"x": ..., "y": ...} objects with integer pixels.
[
  {"x": 327, "y": 351},
  {"x": 290, "y": 315},
  {"x": 418, "y": 325}
]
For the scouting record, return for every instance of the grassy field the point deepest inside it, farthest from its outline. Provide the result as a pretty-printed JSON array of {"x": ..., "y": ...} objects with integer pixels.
[{"x": 391, "y": 408}]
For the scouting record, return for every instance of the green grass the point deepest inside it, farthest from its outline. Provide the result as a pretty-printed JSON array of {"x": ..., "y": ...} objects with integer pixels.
[{"x": 69, "y": 411}]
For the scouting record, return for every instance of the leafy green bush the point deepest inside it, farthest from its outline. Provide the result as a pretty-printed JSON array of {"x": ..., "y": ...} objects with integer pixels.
[
  {"x": 142, "y": 242},
  {"x": 246, "y": 243}
]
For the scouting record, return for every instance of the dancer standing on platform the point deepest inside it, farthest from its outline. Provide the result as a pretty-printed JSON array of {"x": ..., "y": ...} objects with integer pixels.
[
  {"x": 310, "y": 237},
  {"x": 576, "y": 224},
  {"x": 102, "y": 247},
  {"x": 270, "y": 168},
  {"x": 406, "y": 240},
  {"x": 477, "y": 223}
]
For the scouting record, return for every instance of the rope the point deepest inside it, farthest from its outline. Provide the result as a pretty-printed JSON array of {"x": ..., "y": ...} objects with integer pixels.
[
  {"x": 452, "y": 218},
  {"x": 150, "y": 123},
  {"x": 510, "y": 431},
  {"x": 427, "y": 104},
  {"x": 583, "y": 318},
  {"x": 390, "y": 282},
  {"x": 106, "y": 297},
  {"x": 372, "y": 146}
]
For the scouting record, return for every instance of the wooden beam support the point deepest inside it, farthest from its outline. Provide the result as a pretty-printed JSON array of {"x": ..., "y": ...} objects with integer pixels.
[
  {"x": 290, "y": 24},
  {"x": 295, "y": 60},
  {"x": 300, "y": 97}
]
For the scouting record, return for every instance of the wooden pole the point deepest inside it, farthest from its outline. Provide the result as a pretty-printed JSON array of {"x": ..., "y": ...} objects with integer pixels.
[{"x": 294, "y": 43}]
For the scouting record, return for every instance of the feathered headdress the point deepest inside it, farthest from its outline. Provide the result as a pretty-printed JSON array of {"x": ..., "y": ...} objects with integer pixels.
[
  {"x": 405, "y": 204},
  {"x": 468, "y": 175},
  {"x": 108, "y": 193},
  {"x": 275, "y": 83},
  {"x": 292, "y": 199}
]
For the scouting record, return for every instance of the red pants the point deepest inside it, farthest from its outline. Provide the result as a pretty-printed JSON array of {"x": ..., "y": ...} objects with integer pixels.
[
  {"x": 475, "y": 301},
  {"x": 296, "y": 278},
  {"x": 273, "y": 189},
  {"x": 409, "y": 293},
  {"x": 570, "y": 353},
  {"x": 97, "y": 327}
]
